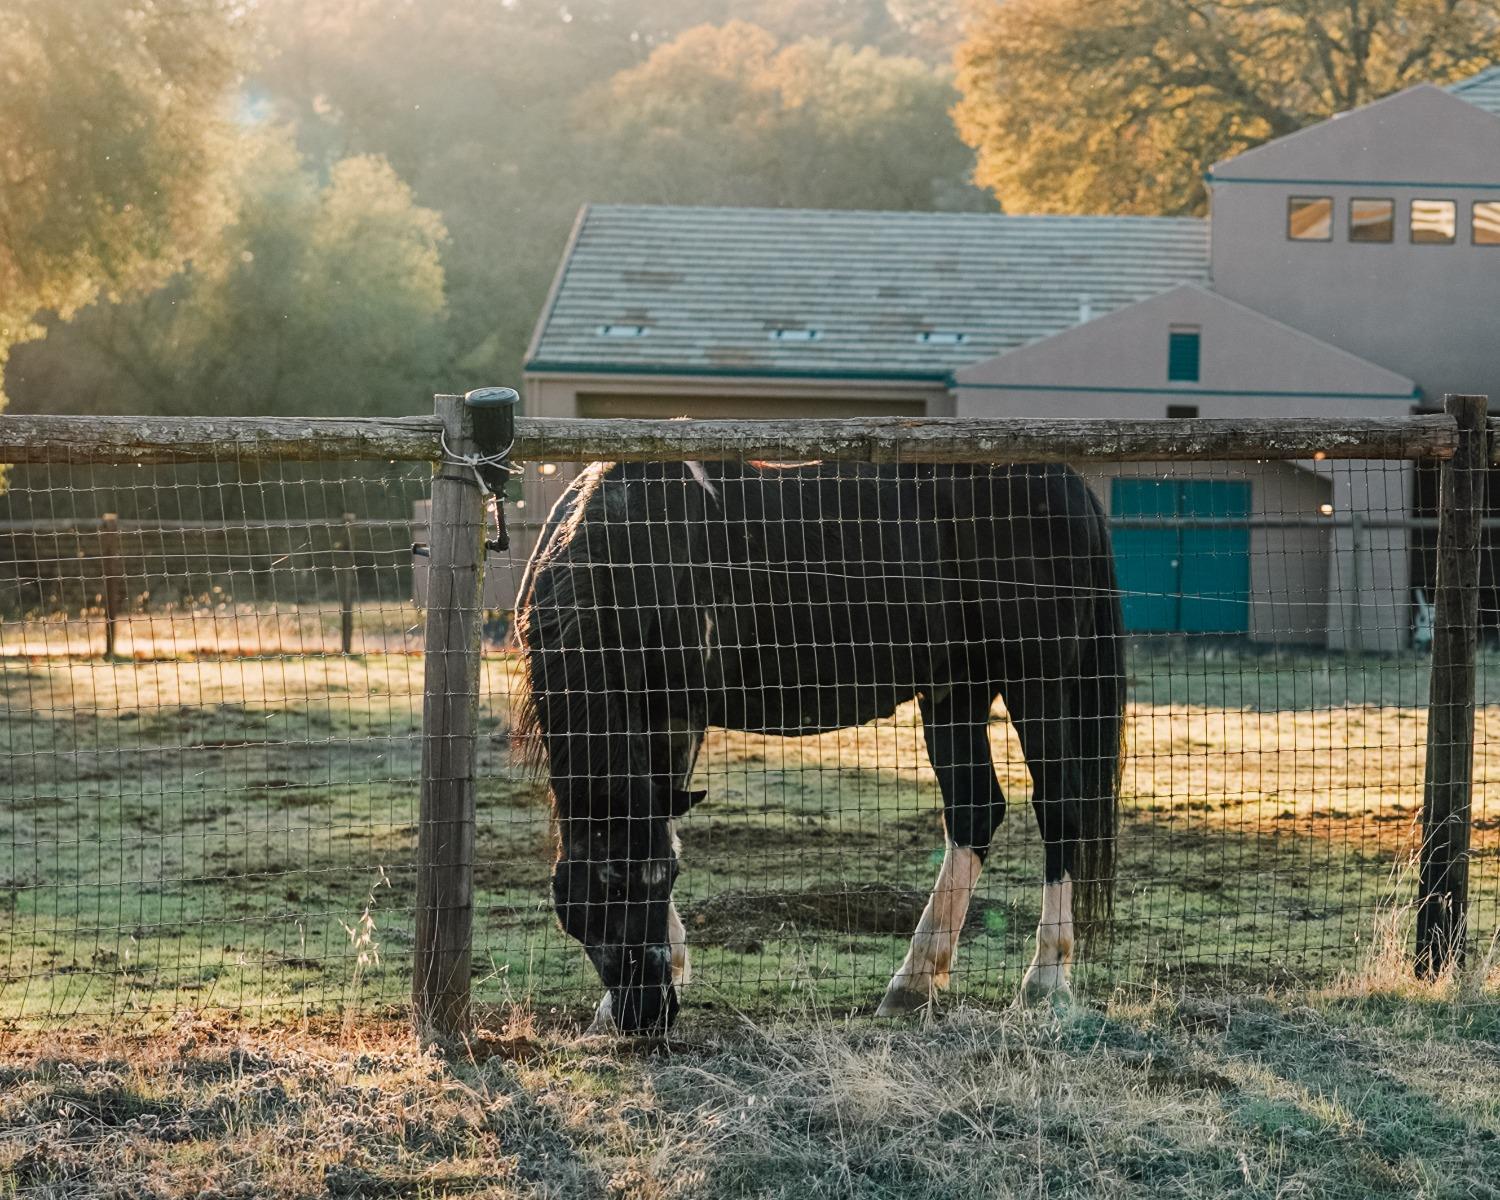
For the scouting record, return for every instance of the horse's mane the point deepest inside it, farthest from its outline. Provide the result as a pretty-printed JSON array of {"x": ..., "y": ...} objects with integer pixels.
[
  {"x": 528, "y": 748},
  {"x": 581, "y": 626},
  {"x": 526, "y": 751}
]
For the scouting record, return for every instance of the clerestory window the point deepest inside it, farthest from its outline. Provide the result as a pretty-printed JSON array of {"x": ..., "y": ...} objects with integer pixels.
[{"x": 1309, "y": 218}]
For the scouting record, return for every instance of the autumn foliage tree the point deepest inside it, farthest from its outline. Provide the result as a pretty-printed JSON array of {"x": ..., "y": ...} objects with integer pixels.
[
  {"x": 112, "y": 139},
  {"x": 731, "y": 115},
  {"x": 1121, "y": 105}
]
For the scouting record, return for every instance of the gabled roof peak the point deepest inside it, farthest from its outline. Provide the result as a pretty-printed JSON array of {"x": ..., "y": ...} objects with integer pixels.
[
  {"x": 1423, "y": 135},
  {"x": 1481, "y": 90}
]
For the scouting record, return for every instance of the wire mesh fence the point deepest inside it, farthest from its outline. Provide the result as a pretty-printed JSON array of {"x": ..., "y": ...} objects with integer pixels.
[
  {"x": 224, "y": 814},
  {"x": 195, "y": 819}
]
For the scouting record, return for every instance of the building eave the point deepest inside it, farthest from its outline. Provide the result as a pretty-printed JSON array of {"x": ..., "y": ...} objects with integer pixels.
[{"x": 554, "y": 370}]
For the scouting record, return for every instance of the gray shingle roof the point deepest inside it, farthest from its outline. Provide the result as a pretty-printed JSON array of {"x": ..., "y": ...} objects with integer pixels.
[
  {"x": 710, "y": 286},
  {"x": 1482, "y": 90}
]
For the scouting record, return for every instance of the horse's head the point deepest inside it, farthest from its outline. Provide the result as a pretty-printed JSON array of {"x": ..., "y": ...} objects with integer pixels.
[{"x": 612, "y": 888}]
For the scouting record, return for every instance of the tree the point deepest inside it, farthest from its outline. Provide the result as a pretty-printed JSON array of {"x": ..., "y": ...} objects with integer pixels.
[
  {"x": 318, "y": 298},
  {"x": 491, "y": 111},
  {"x": 729, "y": 115},
  {"x": 112, "y": 139},
  {"x": 470, "y": 101},
  {"x": 1121, "y": 105},
  {"x": 477, "y": 104}
]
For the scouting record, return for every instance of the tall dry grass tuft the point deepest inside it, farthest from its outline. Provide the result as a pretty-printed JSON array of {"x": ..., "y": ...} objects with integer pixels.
[
  {"x": 1386, "y": 964},
  {"x": 364, "y": 944}
]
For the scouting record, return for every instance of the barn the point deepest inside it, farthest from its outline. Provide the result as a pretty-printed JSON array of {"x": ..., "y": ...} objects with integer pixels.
[{"x": 1346, "y": 272}]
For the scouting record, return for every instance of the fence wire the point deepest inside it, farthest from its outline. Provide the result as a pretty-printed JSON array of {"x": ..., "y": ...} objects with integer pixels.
[
  {"x": 221, "y": 815},
  {"x": 204, "y": 819}
]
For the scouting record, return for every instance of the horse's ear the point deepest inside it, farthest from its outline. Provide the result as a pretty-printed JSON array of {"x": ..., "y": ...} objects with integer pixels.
[{"x": 678, "y": 803}]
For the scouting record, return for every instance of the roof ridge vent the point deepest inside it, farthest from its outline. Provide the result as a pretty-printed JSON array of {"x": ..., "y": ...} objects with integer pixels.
[
  {"x": 790, "y": 334},
  {"x": 942, "y": 337},
  {"x": 622, "y": 331}
]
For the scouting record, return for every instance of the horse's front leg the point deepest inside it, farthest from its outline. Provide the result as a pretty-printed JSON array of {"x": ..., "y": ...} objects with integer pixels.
[
  {"x": 1042, "y": 726},
  {"x": 682, "y": 969}
]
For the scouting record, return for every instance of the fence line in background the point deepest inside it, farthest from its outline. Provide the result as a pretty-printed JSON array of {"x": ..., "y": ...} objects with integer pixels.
[
  {"x": 115, "y": 565},
  {"x": 113, "y": 561}
]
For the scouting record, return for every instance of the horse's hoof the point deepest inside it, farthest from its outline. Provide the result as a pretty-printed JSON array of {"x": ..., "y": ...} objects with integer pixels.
[
  {"x": 604, "y": 1020},
  {"x": 1042, "y": 987},
  {"x": 903, "y": 1002}
]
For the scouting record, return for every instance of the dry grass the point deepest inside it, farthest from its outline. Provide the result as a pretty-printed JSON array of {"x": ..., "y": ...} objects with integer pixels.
[
  {"x": 1326, "y": 1096},
  {"x": 220, "y": 629}
]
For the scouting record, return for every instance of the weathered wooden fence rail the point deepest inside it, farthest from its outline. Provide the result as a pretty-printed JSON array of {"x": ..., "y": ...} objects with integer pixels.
[
  {"x": 49, "y": 439},
  {"x": 1460, "y": 439}
]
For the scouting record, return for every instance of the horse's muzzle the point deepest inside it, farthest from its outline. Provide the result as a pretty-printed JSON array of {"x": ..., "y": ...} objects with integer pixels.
[{"x": 641, "y": 996}]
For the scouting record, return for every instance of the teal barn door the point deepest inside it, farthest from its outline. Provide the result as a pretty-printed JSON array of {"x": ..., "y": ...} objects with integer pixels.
[
  {"x": 1183, "y": 580},
  {"x": 1146, "y": 560},
  {"x": 1214, "y": 578}
]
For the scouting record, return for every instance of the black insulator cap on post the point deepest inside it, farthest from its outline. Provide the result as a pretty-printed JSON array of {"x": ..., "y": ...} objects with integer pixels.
[{"x": 494, "y": 413}]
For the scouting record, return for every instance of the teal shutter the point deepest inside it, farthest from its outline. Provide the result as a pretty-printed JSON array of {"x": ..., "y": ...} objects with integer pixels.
[{"x": 1183, "y": 353}]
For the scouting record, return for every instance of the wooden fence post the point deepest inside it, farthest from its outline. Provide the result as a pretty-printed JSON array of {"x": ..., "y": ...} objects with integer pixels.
[
  {"x": 1442, "y": 901},
  {"x": 450, "y": 711},
  {"x": 346, "y": 588},
  {"x": 113, "y": 565}
]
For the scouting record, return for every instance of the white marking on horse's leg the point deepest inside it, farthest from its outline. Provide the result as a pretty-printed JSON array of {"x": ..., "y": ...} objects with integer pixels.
[
  {"x": 682, "y": 969},
  {"x": 1047, "y": 977},
  {"x": 698, "y": 473},
  {"x": 929, "y": 962},
  {"x": 604, "y": 1021}
]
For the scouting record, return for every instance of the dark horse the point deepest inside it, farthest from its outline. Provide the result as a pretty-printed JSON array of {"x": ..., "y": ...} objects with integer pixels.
[{"x": 662, "y": 599}]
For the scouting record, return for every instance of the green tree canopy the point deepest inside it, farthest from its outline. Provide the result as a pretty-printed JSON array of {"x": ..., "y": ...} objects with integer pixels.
[
  {"x": 501, "y": 116},
  {"x": 1121, "y": 105},
  {"x": 317, "y": 298},
  {"x": 112, "y": 139}
]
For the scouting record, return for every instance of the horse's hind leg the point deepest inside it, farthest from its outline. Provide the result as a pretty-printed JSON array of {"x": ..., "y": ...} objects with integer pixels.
[
  {"x": 1040, "y": 711},
  {"x": 958, "y": 745}
]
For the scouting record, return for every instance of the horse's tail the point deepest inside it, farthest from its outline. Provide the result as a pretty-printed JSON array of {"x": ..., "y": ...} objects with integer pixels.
[{"x": 1100, "y": 709}]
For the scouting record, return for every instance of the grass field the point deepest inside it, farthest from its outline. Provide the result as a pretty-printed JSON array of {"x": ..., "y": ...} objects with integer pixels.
[
  {"x": 236, "y": 833},
  {"x": 205, "y": 934}
]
